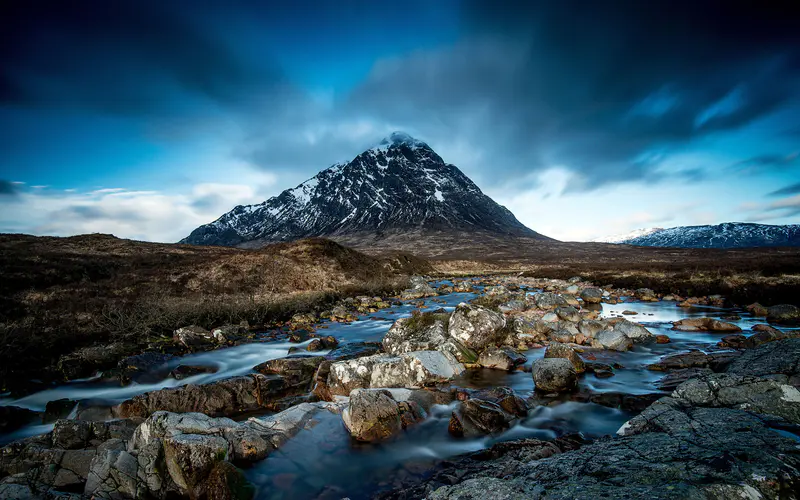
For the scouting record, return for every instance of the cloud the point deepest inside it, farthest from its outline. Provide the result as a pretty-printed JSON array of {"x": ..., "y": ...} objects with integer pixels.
[
  {"x": 765, "y": 162},
  {"x": 8, "y": 189},
  {"x": 790, "y": 189},
  {"x": 143, "y": 215}
]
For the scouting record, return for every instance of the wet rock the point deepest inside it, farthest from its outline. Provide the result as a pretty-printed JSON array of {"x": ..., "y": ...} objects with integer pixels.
[
  {"x": 592, "y": 295},
  {"x": 783, "y": 313},
  {"x": 704, "y": 325},
  {"x": 646, "y": 295},
  {"x": 192, "y": 337},
  {"x": 753, "y": 394},
  {"x": 279, "y": 428},
  {"x": 627, "y": 312},
  {"x": 779, "y": 360},
  {"x": 614, "y": 340},
  {"x": 221, "y": 398},
  {"x": 226, "y": 482},
  {"x": 88, "y": 360},
  {"x": 512, "y": 306},
  {"x": 549, "y": 300},
  {"x": 322, "y": 344},
  {"x": 113, "y": 476},
  {"x": 411, "y": 370},
  {"x": 496, "y": 290},
  {"x": 229, "y": 333},
  {"x": 600, "y": 370},
  {"x": 76, "y": 434},
  {"x": 419, "y": 289},
  {"x": 568, "y": 313},
  {"x": 425, "y": 332},
  {"x": 14, "y": 417},
  {"x": 716, "y": 361},
  {"x": 54, "y": 410},
  {"x": 476, "y": 417},
  {"x": 463, "y": 287},
  {"x": 590, "y": 328},
  {"x": 556, "y": 350},
  {"x": 673, "y": 379},
  {"x": 501, "y": 358},
  {"x": 297, "y": 371},
  {"x": 757, "y": 309},
  {"x": 662, "y": 339},
  {"x": 554, "y": 375},
  {"x": 145, "y": 367},
  {"x": 476, "y": 327},
  {"x": 634, "y": 331},
  {"x": 353, "y": 350},
  {"x": 633, "y": 403},
  {"x": 185, "y": 371},
  {"x": 374, "y": 415}
]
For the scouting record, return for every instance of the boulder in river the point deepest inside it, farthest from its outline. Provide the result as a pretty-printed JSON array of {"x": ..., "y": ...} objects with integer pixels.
[
  {"x": 501, "y": 358},
  {"x": 704, "y": 325},
  {"x": 646, "y": 295},
  {"x": 549, "y": 300},
  {"x": 568, "y": 313},
  {"x": 614, "y": 340},
  {"x": 409, "y": 370},
  {"x": 192, "y": 337},
  {"x": 374, "y": 415},
  {"x": 425, "y": 332},
  {"x": 556, "y": 350},
  {"x": 634, "y": 331},
  {"x": 592, "y": 295},
  {"x": 476, "y": 417},
  {"x": 554, "y": 375},
  {"x": 779, "y": 360},
  {"x": 145, "y": 367},
  {"x": 784, "y": 313},
  {"x": 476, "y": 327},
  {"x": 298, "y": 371}
]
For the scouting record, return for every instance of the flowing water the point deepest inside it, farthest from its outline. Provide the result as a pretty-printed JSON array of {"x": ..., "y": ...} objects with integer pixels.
[{"x": 323, "y": 462}]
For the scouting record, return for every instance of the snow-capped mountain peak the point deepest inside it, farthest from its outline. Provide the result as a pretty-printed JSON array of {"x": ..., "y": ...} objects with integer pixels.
[
  {"x": 725, "y": 235},
  {"x": 621, "y": 238},
  {"x": 400, "y": 184}
]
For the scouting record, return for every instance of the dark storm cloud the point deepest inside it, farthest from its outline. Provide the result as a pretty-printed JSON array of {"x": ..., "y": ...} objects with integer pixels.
[
  {"x": 594, "y": 86},
  {"x": 129, "y": 57},
  {"x": 787, "y": 190}
]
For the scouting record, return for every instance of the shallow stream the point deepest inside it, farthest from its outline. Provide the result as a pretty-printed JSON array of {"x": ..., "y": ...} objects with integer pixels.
[{"x": 323, "y": 462}]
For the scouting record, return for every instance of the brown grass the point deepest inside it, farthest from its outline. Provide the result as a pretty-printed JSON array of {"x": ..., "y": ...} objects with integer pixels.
[{"x": 60, "y": 294}]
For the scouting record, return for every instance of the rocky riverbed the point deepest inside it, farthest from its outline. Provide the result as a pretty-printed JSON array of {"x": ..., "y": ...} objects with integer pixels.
[{"x": 524, "y": 387}]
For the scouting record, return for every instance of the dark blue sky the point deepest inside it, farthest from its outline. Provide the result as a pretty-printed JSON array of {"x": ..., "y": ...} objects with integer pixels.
[{"x": 585, "y": 118}]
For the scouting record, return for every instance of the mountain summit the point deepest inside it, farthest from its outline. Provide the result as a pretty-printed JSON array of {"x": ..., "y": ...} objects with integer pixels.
[{"x": 399, "y": 185}]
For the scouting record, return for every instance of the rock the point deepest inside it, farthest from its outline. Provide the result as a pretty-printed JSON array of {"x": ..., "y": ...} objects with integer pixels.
[
  {"x": 783, "y": 313},
  {"x": 425, "y": 332},
  {"x": 512, "y": 306},
  {"x": 779, "y": 360},
  {"x": 297, "y": 371},
  {"x": 279, "y": 428},
  {"x": 353, "y": 350},
  {"x": 556, "y": 350},
  {"x": 113, "y": 475},
  {"x": 592, "y": 295},
  {"x": 14, "y": 417},
  {"x": 554, "y": 375},
  {"x": 190, "y": 459},
  {"x": 549, "y": 300},
  {"x": 572, "y": 289},
  {"x": 662, "y": 339},
  {"x": 757, "y": 309},
  {"x": 221, "y": 398},
  {"x": 614, "y": 340},
  {"x": 226, "y": 482},
  {"x": 322, "y": 343},
  {"x": 496, "y": 290},
  {"x": 193, "y": 337},
  {"x": 568, "y": 313},
  {"x": 229, "y": 333},
  {"x": 501, "y": 358},
  {"x": 54, "y": 410},
  {"x": 590, "y": 328},
  {"x": 145, "y": 367},
  {"x": 716, "y": 361},
  {"x": 374, "y": 415},
  {"x": 673, "y": 379},
  {"x": 476, "y": 417},
  {"x": 184, "y": 371},
  {"x": 419, "y": 289},
  {"x": 628, "y": 312},
  {"x": 411, "y": 370},
  {"x": 600, "y": 370},
  {"x": 753, "y": 394},
  {"x": 634, "y": 331},
  {"x": 475, "y": 327},
  {"x": 704, "y": 325},
  {"x": 88, "y": 360},
  {"x": 646, "y": 295}
]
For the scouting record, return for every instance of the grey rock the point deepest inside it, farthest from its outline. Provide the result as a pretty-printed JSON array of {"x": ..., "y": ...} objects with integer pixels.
[
  {"x": 554, "y": 375},
  {"x": 374, "y": 415},
  {"x": 614, "y": 340},
  {"x": 592, "y": 295},
  {"x": 501, "y": 358},
  {"x": 783, "y": 313},
  {"x": 193, "y": 337},
  {"x": 476, "y": 327},
  {"x": 557, "y": 350}
]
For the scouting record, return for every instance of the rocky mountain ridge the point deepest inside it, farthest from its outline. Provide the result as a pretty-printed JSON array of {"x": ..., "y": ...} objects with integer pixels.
[{"x": 725, "y": 235}]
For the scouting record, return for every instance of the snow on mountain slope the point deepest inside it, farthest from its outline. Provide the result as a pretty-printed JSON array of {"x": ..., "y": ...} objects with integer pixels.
[
  {"x": 621, "y": 238},
  {"x": 725, "y": 235},
  {"x": 399, "y": 184}
]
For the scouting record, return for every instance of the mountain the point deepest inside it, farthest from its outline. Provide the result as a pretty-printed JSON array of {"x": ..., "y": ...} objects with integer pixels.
[
  {"x": 399, "y": 185},
  {"x": 622, "y": 238},
  {"x": 726, "y": 235}
]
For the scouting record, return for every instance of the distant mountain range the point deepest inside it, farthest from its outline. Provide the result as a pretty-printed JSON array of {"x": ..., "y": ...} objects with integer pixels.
[
  {"x": 399, "y": 186},
  {"x": 625, "y": 237},
  {"x": 725, "y": 235}
]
